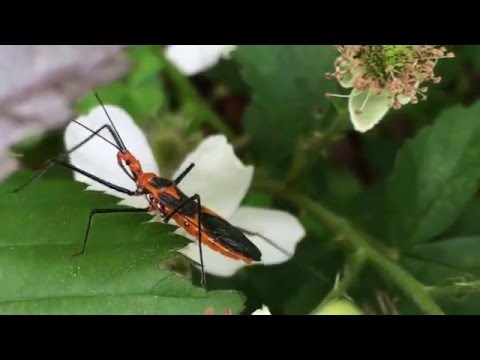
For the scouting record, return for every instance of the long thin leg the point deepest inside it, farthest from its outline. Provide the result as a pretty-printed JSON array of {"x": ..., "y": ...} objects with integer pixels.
[
  {"x": 93, "y": 134},
  {"x": 183, "y": 174},
  {"x": 83, "y": 172},
  {"x": 106, "y": 211},
  {"x": 179, "y": 207},
  {"x": 119, "y": 143},
  {"x": 80, "y": 144}
]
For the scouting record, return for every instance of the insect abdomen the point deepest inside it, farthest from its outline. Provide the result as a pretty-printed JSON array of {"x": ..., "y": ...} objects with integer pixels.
[{"x": 229, "y": 236}]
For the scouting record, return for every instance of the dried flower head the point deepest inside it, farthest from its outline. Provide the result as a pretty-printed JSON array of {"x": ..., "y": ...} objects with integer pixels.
[{"x": 384, "y": 77}]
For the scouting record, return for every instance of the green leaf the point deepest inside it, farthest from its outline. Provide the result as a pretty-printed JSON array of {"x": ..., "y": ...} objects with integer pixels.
[
  {"x": 142, "y": 102},
  {"x": 456, "y": 257},
  {"x": 381, "y": 153},
  {"x": 145, "y": 101},
  {"x": 43, "y": 227},
  {"x": 147, "y": 64},
  {"x": 447, "y": 262},
  {"x": 226, "y": 73},
  {"x": 467, "y": 223},
  {"x": 341, "y": 190},
  {"x": 434, "y": 177},
  {"x": 288, "y": 95},
  {"x": 465, "y": 53},
  {"x": 140, "y": 92},
  {"x": 113, "y": 93}
]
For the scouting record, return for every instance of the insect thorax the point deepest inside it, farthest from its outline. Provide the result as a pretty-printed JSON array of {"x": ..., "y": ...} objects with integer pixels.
[{"x": 160, "y": 182}]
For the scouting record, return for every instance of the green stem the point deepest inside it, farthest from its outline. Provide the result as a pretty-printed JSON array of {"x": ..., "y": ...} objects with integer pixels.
[
  {"x": 309, "y": 149},
  {"x": 354, "y": 267},
  {"x": 454, "y": 290},
  {"x": 241, "y": 143},
  {"x": 362, "y": 242},
  {"x": 192, "y": 101}
]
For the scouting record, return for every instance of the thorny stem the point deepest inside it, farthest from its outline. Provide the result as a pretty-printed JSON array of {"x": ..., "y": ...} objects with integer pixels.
[
  {"x": 192, "y": 101},
  {"x": 362, "y": 242},
  {"x": 354, "y": 267}
]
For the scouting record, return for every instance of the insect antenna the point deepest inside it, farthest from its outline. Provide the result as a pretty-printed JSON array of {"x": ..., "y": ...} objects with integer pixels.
[
  {"x": 97, "y": 134},
  {"x": 58, "y": 160},
  {"x": 119, "y": 145},
  {"x": 118, "y": 138}
]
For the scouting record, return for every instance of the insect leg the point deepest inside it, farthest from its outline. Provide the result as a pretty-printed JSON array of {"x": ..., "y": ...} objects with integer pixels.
[
  {"x": 179, "y": 207},
  {"x": 83, "y": 172},
  {"x": 119, "y": 143},
  {"x": 183, "y": 174},
  {"x": 106, "y": 211},
  {"x": 57, "y": 159},
  {"x": 93, "y": 134}
]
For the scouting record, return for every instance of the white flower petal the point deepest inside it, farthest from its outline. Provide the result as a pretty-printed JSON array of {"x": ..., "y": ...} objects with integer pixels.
[
  {"x": 372, "y": 109},
  {"x": 219, "y": 177},
  {"x": 100, "y": 158},
  {"x": 264, "y": 310},
  {"x": 192, "y": 59},
  {"x": 281, "y": 228}
]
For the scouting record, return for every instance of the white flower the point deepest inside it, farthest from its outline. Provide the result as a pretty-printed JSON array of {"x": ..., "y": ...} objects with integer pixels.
[
  {"x": 193, "y": 59},
  {"x": 218, "y": 176},
  {"x": 384, "y": 77},
  {"x": 264, "y": 310}
]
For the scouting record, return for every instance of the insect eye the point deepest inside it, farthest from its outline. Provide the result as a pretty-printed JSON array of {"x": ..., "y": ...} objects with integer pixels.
[{"x": 128, "y": 162}]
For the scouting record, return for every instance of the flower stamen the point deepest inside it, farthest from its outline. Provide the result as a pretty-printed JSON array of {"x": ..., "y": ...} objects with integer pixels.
[
  {"x": 396, "y": 70},
  {"x": 359, "y": 111}
]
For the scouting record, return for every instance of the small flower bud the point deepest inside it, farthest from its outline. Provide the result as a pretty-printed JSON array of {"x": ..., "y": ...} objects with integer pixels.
[{"x": 339, "y": 307}]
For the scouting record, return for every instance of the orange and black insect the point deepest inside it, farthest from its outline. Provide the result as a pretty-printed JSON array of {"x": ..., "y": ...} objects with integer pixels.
[{"x": 165, "y": 198}]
